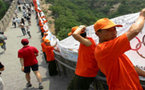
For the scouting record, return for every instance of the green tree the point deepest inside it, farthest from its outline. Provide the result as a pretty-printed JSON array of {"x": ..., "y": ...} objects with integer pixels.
[
  {"x": 3, "y": 8},
  {"x": 69, "y": 13}
]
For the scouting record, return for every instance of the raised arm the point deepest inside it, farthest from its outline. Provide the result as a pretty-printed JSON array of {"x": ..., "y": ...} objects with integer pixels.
[
  {"x": 79, "y": 38},
  {"x": 137, "y": 26},
  {"x": 139, "y": 71},
  {"x": 55, "y": 44}
]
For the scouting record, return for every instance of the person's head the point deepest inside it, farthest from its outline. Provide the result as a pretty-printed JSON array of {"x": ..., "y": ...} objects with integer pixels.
[
  {"x": 24, "y": 41},
  {"x": 105, "y": 29},
  {"x": 83, "y": 33},
  {"x": 47, "y": 42}
]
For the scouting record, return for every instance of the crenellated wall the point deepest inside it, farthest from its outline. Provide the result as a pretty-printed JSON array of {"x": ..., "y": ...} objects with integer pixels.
[{"x": 4, "y": 22}]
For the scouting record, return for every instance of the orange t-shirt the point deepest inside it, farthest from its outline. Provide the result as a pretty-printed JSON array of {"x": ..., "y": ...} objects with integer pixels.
[
  {"x": 43, "y": 46},
  {"x": 49, "y": 53},
  {"x": 42, "y": 30},
  {"x": 86, "y": 64},
  {"x": 43, "y": 37},
  {"x": 116, "y": 66}
]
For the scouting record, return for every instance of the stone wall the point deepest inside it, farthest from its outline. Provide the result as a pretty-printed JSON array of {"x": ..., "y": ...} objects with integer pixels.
[
  {"x": 4, "y": 22},
  {"x": 67, "y": 67},
  {"x": 25, "y": 1}
]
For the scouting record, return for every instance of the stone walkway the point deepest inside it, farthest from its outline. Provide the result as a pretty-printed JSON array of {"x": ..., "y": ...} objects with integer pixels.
[{"x": 13, "y": 77}]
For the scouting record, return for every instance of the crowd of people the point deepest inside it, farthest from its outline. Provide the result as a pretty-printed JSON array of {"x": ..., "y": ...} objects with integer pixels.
[
  {"x": 107, "y": 56},
  {"x": 20, "y": 21},
  {"x": 28, "y": 54}
]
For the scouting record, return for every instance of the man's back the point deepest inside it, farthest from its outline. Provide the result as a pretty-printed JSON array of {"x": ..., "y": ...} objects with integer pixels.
[
  {"x": 116, "y": 66},
  {"x": 28, "y": 53}
]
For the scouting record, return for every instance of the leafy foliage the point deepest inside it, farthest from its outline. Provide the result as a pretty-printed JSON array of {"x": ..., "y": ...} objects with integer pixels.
[
  {"x": 3, "y": 8},
  {"x": 69, "y": 13}
]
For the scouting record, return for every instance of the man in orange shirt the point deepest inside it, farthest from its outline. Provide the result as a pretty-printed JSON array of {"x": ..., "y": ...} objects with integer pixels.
[
  {"x": 43, "y": 48},
  {"x": 109, "y": 54},
  {"x": 43, "y": 45},
  {"x": 86, "y": 68},
  {"x": 50, "y": 58}
]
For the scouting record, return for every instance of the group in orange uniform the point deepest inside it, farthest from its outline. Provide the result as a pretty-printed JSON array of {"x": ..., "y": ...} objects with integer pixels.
[{"x": 109, "y": 56}]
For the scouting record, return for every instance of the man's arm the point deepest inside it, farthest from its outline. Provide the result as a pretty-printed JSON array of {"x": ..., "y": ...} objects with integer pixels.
[
  {"x": 22, "y": 63},
  {"x": 79, "y": 38},
  {"x": 139, "y": 71},
  {"x": 137, "y": 26}
]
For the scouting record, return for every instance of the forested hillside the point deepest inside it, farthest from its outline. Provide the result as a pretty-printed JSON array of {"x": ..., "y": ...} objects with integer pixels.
[
  {"x": 3, "y": 8},
  {"x": 69, "y": 13}
]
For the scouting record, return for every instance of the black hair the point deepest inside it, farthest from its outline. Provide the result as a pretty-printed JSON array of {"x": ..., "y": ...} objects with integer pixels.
[
  {"x": 99, "y": 30},
  {"x": 83, "y": 34}
]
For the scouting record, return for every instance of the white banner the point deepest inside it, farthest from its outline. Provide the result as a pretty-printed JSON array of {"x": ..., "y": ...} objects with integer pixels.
[{"x": 69, "y": 46}]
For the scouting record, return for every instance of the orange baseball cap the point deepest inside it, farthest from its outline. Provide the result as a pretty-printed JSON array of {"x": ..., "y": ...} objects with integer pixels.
[
  {"x": 104, "y": 23},
  {"x": 72, "y": 30}
]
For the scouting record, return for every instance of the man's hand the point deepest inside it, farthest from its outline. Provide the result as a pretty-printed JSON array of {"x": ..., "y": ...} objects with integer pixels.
[
  {"x": 142, "y": 13},
  {"x": 82, "y": 26},
  {"x": 137, "y": 26}
]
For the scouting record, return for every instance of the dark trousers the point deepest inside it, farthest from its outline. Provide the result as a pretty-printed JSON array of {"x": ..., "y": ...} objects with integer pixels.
[
  {"x": 52, "y": 68},
  {"x": 29, "y": 34},
  {"x": 14, "y": 23},
  {"x": 45, "y": 56},
  {"x": 23, "y": 31},
  {"x": 42, "y": 34},
  {"x": 80, "y": 83}
]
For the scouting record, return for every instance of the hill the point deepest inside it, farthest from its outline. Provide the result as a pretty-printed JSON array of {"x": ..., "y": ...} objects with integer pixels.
[
  {"x": 3, "y": 8},
  {"x": 69, "y": 13}
]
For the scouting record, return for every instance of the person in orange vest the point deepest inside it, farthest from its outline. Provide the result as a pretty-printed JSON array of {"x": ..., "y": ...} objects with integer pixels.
[
  {"x": 86, "y": 67},
  {"x": 43, "y": 48},
  {"x": 42, "y": 31},
  {"x": 109, "y": 53},
  {"x": 45, "y": 34},
  {"x": 52, "y": 67}
]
